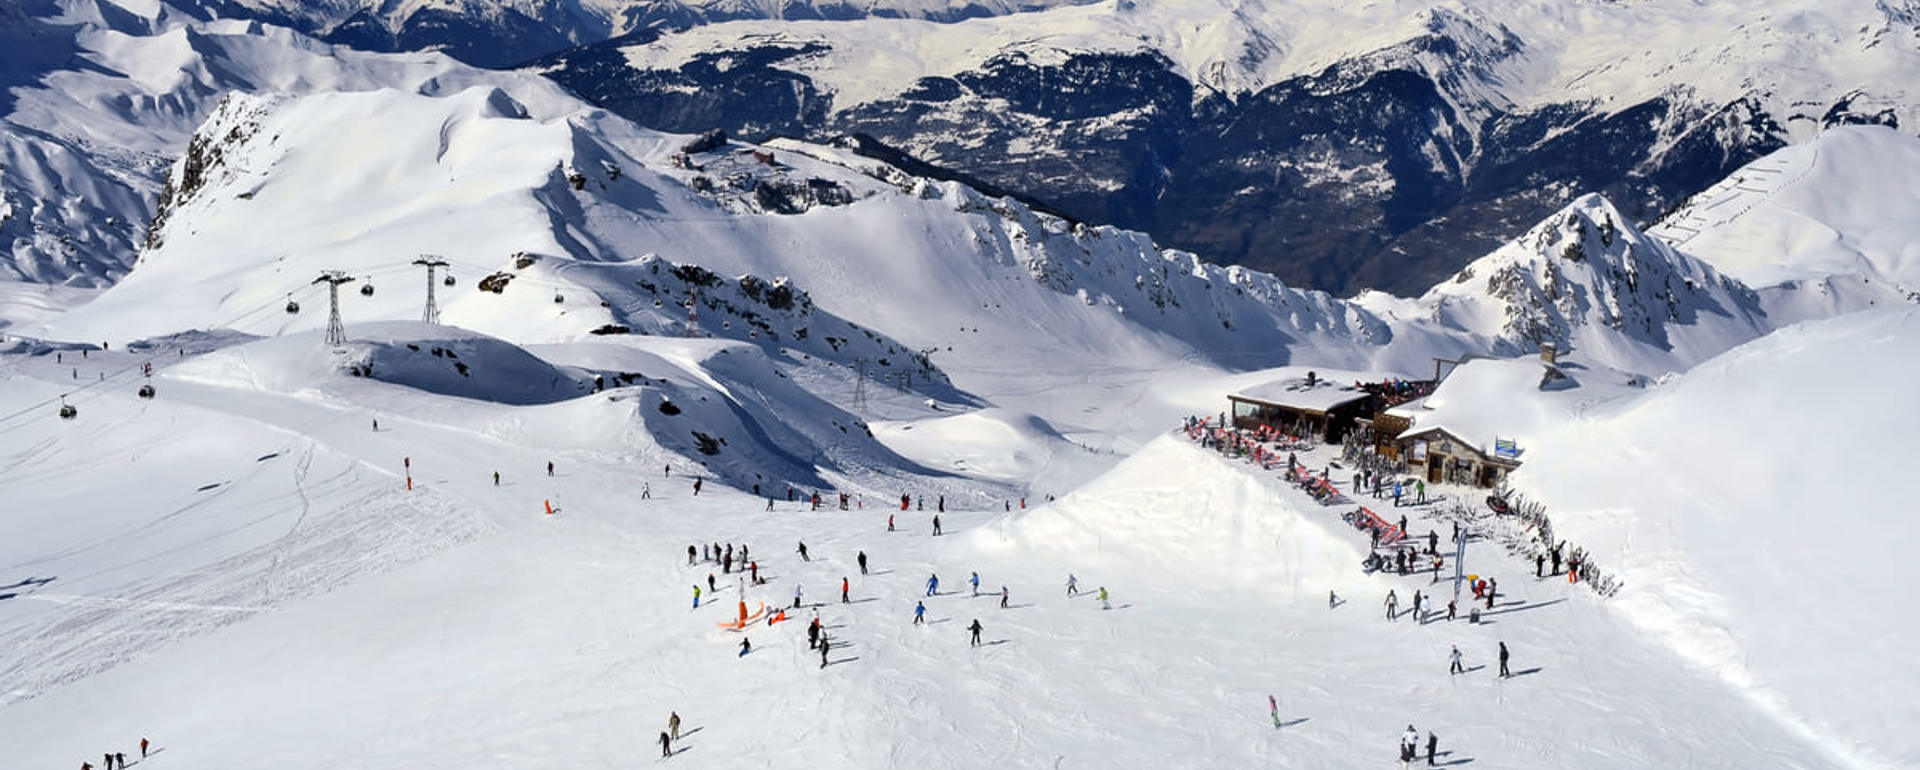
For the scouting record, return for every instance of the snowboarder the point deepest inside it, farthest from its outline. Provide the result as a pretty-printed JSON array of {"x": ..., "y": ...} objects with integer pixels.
[
  {"x": 746, "y": 646},
  {"x": 936, "y": 525},
  {"x": 862, "y": 558},
  {"x": 919, "y": 613},
  {"x": 1433, "y": 743},
  {"x": 646, "y": 490},
  {"x": 673, "y": 724},
  {"x": 1073, "y": 585},
  {"x": 1003, "y": 597},
  {"x": 696, "y": 596},
  {"x": 1393, "y": 603},
  {"x": 1453, "y": 662},
  {"x": 1503, "y": 660},
  {"x": 803, "y": 552},
  {"x": 975, "y": 628},
  {"x": 796, "y": 596},
  {"x": 933, "y": 584},
  {"x": 666, "y": 745},
  {"x": 549, "y": 467},
  {"x": 975, "y": 581},
  {"x": 843, "y": 589},
  {"x": 1273, "y": 708},
  {"x": 1103, "y": 599}
]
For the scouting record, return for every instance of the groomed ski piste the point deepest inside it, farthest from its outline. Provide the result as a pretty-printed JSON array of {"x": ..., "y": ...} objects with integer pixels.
[{"x": 237, "y": 570}]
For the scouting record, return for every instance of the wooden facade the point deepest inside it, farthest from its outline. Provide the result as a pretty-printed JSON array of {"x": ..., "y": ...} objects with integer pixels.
[{"x": 1439, "y": 456}]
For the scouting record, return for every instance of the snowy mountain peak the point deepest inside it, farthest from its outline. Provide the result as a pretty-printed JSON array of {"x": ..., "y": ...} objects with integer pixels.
[{"x": 1586, "y": 278}]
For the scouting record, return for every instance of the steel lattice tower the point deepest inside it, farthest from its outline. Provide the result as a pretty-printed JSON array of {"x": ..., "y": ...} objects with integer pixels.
[
  {"x": 336, "y": 331},
  {"x": 432, "y": 314}
]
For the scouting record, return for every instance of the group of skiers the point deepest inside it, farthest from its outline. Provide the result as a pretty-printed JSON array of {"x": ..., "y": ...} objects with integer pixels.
[{"x": 115, "y": 759}]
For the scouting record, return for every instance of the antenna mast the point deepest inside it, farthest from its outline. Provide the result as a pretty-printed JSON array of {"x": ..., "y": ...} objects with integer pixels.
[
  {"x": 336, "y": 331},
  {"x": 431, "y": 261}
]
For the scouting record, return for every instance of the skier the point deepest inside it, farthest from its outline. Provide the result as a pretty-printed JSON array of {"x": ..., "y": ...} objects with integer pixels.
[
  {"x": 746, "y": 646},
  {"x": 1432, "y": 744},
  {"x": 143, "y": 748},
  {"x": 646, "y": 490},
  {"x": 919, "y": 613},
  {"x": 1103, "y": 599},
  {"x": 769, "y": 503},
  {"x": 1503, "y": 660},
  {"x": 975, "y": 580},
  {"x": 975, "y": 628},
  {"x": 1453, "y": 662},
  {"x": 889, "y": 522},
  {"x": 1333, "y": 599},
  {"x": 696, "y": 487},
  {"x": 673, "y": 724},
  {"x": 796, "y": 596},
  {"x": 549, "y": 467},
  {"x": 843, "y": 589},
  {"x": 936, "y": 525},
  {"x": 1003, "y": 597},
  {"x": 1273, "y": 707},
  {"x": 862, "y": 558},
  {"x": 1393, "y": 603},
  {"x": 803, "y": 552},
  {"x": 1450, "y": 610},
  {"x": 696, "y": 596},
  {"x": 1073, "y": 585},
  {"x": 666, "y": 745},
  {"x": 933, "y": 584}
]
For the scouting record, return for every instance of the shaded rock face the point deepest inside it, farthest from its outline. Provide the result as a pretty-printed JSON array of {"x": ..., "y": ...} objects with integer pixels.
[{"x": 1373, "y": 173}]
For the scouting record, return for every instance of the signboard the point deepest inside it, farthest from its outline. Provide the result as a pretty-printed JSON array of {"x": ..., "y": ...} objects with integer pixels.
[
  {"x": 1420, "y": 451},
  {"x": 1506, "y": 447}
]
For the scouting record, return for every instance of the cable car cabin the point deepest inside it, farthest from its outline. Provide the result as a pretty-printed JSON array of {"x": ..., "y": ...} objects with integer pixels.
[
  {"x": 557, "y": 299},
  {"x": 448, "y": 280},
  {"x": 366, "y": 290},
  {"x": 146, "y": 391},
  {"x": 67, "y": 412},
  {"x": 292, "y": 307}
]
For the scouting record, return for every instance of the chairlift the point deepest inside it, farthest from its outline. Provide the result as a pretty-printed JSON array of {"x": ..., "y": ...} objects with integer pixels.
[
  {"x": 146, "y": 391},
  {"x": 67, "y": 412},
  {"x": 292, "y": 306}
]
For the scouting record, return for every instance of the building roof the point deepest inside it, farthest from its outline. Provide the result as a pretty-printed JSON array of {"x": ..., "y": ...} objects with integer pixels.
[
  {"x": 1293, "y": 392},
  {"x": 1477, "y": 402}
]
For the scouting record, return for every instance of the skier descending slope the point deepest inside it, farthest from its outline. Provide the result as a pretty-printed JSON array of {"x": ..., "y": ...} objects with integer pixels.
[{"x": 1273, "y": 708}]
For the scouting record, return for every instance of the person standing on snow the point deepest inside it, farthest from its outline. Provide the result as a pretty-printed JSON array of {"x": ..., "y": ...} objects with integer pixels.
[
  {"x": 1453, "y": 662},
  {"x": 1393, "y": 603},
  {"x": 824, "y": 645},
  {"x": 933, "y": 584},
  {"x": 936, "y": 525},
  {"x": 496, "y": 478},
  {"x": 1103, "y": 599},
  {"x": 666, "y": 745},
  {"x": 690, "y": 556},
  {"x": 696, "y": 487},
  {"x": 1420, "y": 491},
  {"x": 1409, "y": 745},
  {"x": 813, "y": 634},
  {"x": 919, "y": 613},
  {"x": 862, "y": 558},
  {"x": 673, "y": 724},
  {"x": 975, "y": 628},
  {"x": 1003, "y": 597},
  {"x": 696, "y": 596},
  {"x": 975, "y": 580},
  {"x": 711, "y": 588},
  {"x": 1396, "y": 494},
  {"x": 1503, "y": 660},
  {"x": 803, "y": 552},
  {"x": 843, "y": 589},
  {"x": 646, "y": 491},
  {"x": 1273, "y": 708},
  {"x": 1073, "y": 585},
  {"x": 1432, "y": 744}
]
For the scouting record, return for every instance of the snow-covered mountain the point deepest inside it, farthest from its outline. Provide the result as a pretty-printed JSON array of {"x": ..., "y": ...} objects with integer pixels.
[{"x": 1429, "y": 132}]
